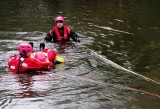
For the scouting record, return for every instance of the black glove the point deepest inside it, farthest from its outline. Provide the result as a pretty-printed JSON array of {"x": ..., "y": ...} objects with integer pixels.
[
  {"x": 42, "y": 46},
  {"x": 78, "y": 41},
  {"x": 31, "y": 43}
]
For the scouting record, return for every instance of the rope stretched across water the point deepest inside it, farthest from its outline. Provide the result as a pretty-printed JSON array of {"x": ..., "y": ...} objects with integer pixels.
[{"x": 111, "y": 63}]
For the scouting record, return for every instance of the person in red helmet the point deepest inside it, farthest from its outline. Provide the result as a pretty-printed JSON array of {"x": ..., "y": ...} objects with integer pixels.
[
  {"x": 61, "y": 32},
  {"x": 25, "y": 49}
]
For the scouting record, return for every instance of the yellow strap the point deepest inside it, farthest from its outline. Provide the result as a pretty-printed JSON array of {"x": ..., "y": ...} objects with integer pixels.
[{"x": 59, "y": 59}]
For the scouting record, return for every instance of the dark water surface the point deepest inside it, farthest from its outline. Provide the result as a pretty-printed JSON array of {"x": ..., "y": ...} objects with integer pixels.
[{"x": 126, "y": 32}]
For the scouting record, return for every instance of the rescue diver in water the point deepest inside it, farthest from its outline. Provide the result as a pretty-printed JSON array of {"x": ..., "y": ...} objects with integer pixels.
[{"x": 61, "y": 32}]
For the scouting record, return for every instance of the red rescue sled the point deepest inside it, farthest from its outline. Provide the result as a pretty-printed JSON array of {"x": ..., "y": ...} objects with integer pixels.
[{"x": 28, "y": 60}]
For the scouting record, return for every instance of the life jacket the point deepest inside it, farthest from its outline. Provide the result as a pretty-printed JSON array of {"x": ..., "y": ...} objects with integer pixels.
[{"x": 66, "y": 33}]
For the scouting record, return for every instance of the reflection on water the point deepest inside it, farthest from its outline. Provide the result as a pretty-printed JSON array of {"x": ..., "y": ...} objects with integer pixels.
[{"x": 126, "y": 32}]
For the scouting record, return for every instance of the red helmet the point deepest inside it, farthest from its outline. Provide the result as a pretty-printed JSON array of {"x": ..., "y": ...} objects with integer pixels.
[
  {"x": 24, "y": 48},
  {"x": 59, "y": 18}
]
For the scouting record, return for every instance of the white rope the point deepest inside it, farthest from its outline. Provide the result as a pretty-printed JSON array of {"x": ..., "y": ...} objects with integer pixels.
[{"x": 111, "y": 63}]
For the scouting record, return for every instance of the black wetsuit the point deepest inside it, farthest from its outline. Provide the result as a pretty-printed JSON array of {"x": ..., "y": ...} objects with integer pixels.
[{"x": 51, "y": 36}]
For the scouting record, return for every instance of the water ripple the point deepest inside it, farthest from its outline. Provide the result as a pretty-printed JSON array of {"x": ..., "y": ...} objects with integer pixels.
[{"x": 111, "y": 29}]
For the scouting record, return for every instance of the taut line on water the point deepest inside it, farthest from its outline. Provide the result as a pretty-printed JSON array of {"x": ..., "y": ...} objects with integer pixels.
[{"x": 111, "y": 63}]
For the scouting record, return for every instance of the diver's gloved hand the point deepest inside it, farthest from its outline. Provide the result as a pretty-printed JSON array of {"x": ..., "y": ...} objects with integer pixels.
[
  {"x": 42, "y": 46},
  {"x": 78, "y": 41},
  {"x": 31, "y": 43}
]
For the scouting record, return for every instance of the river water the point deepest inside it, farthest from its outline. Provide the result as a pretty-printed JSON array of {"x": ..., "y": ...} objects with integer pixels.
[{"x": 125, "y": 32}]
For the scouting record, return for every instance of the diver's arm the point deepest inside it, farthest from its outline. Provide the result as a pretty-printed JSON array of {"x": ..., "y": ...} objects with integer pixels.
[{"x": 74, "y": 36}]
